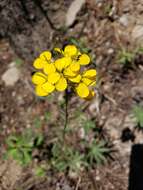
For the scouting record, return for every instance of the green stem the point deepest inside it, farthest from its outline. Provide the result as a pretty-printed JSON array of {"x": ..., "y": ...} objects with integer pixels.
[{"x": 66, "y": 113}]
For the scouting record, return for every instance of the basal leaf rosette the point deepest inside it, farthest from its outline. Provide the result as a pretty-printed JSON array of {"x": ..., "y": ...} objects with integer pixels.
[{"x": 68, "y": 71}]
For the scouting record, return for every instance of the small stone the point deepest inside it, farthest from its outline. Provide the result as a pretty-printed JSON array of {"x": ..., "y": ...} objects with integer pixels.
[
  {"x": 124, "y": 20},
  {"x": 11, "y": 76},
  {"x": 137, "y": 32},
  {"x": 110, "y": 51},
  {"x": 72, "y": 11}
]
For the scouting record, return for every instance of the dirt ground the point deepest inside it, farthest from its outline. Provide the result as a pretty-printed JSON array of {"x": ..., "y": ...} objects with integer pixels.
[{"x": 106, "y": 27}]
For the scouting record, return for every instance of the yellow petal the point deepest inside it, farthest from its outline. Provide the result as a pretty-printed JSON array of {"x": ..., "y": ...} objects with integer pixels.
[
  {"x": 49, "y": 68},
  {"x": 69, "y": 73},
  {"x": 91, "y": 95},
  {"x": 82, "y": 90},
  {"x": 75, "y": 79},
  {"x": 46, "y": 55},
  {"x": 91, "y": 73},
  {"x": 74, "y": 66},
  {"x": 70, "y": 50},
  {"x": 39, "y": 78},
  {"x": 84, "y": 59},
  {"x": 67, "y": 60},
  {"x": 48, "y": 87},
  {"x": 53, "y": 77},
  {"x": 40, "y": 91},
  {"x": 89, "y": 82},
  {"x": 62, "y": 63},
  {"x": 61, "y": 85},
  {"x": 38, "y": 63}
]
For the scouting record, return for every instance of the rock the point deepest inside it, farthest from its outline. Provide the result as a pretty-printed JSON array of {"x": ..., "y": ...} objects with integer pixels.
[
  {"x": 137, "y": 33},
  {"x": 11, "y": 76},
  {"x": 72, "y": 11},
  {"x": 110, "y": 51},
  {"x": 124, "y": 20}
]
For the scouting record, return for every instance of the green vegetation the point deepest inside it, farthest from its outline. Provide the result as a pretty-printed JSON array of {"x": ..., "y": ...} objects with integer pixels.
[
  {"x": 125, "y": 57},
  {"x": 97, "y": 152},
  {"x": 138, "y": 113},
  {"x": 20, "y": 147},
  {"x": 79, "y": 44}
]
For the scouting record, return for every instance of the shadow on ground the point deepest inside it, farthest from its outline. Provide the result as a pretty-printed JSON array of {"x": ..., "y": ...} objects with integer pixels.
[{"x": 136, "y": 168}]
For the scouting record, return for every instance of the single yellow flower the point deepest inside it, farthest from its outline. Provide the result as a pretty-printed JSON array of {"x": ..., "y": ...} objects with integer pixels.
[
  {"x": 39, "y": 78},
  {"x": 82, "y": 90},
  {"x": 39, "y": 64},
  {"x": 46, "y": 56},
  {"x": 91, "y": 73},
  {"x": 84, "y": 59},
  {"x": 70, "y": 50}
]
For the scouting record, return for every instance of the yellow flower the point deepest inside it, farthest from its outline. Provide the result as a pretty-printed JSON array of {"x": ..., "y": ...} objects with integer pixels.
[
  {"x": 49, "y": 68},
  {"x": 46, "y": 56},
  {"x": 43, "y": 60},
  {"x": 84, "y": 59},
  {"x": 39, "y": 78},
  {"x": 88, "y": 79},
  {"x": 40, "y": 91},
  {"x": 70, "y": 50},
  {"x": 62, "y": 63},
  {"x": 82, "y": 90},
  {"x": 91, "y": 73},
  {"x": 66, "y": 71},
  {"x": 39, "y": 64}
]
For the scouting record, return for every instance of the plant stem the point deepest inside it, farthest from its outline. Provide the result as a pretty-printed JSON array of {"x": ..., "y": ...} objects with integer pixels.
[{"x": 66, "y": 112}]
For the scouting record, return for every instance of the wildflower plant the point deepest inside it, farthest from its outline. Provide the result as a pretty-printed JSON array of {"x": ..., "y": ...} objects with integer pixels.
[{"x": 68, "y": 71}]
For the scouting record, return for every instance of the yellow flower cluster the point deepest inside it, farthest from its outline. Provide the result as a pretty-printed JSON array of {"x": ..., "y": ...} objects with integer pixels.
[{"x": 65, "y": 71}]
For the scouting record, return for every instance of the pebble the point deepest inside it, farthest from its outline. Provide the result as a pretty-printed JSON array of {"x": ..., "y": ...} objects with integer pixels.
[
  {"x": 124, "y": 20},
  {"x": 11, "y": 76},
  {"x": 137, "y": 32}
]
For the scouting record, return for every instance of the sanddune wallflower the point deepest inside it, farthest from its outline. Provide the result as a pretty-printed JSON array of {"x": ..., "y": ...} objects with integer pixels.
[{"x": 68, "y": 71}]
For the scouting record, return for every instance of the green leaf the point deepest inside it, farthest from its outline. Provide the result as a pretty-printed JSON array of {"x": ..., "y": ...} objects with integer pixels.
[
  {"x": 12, "y": 141},
  {"x": 26, "y": 157},
  {"x": 88, "y": 125},
  {"x": 40, "y": 172},
  {"x": 39, "y": 140},
  {"x": 97, "y": 152}
]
